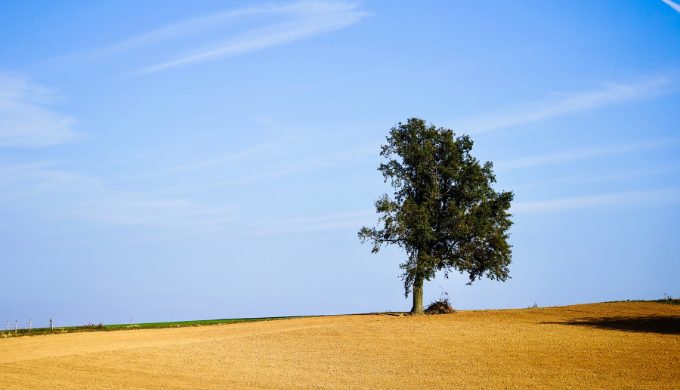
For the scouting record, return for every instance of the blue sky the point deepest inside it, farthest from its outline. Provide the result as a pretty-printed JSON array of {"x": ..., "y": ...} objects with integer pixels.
[{"x": 166, "y": 160}]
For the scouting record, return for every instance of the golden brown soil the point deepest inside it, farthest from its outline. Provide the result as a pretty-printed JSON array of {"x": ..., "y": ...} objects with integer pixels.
[{"x": 614, "y": 346}]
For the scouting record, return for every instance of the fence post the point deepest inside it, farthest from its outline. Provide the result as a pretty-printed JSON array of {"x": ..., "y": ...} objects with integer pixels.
[{"x": 51, "y": 325}]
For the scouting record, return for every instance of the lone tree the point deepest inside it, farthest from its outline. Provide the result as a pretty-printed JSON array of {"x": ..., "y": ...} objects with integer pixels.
[{"x": 444, "y": 212}]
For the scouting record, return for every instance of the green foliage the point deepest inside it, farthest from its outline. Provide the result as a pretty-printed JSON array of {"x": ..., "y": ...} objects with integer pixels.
[{"x": 444, "y": 212}]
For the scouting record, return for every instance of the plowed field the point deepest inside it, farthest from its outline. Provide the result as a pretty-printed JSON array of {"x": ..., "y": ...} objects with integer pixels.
[{"x": 610, "y": 345}]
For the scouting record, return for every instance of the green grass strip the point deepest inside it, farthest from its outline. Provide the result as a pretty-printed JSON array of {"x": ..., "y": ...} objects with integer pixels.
[{"x": 144, "y": 325}]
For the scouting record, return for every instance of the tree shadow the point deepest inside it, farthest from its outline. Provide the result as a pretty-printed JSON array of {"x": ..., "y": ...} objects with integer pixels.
[{"x": 650, "y": 324}]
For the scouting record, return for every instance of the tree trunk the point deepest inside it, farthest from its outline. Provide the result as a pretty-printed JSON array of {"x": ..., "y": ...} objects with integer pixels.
[{"x": 417, "y": 296}]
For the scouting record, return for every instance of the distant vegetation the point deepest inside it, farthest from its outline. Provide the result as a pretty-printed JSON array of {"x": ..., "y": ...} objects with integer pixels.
[
  {"x": 146, "y": 325},
  {"x": 668, "y": 300}
]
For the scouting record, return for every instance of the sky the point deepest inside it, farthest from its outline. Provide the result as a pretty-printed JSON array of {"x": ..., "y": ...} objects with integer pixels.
[{"x": 171, "y": 160}]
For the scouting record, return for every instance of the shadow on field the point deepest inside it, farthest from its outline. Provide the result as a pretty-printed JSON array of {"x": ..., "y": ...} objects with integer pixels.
[{"x": 651, "y": 324}]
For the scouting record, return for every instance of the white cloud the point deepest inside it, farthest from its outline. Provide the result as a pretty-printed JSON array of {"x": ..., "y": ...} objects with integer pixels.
[
  {"x": 57, "y": 193},
  {"x": 307, "y": 19},
  {"x": 585, "y": 153},
  {"x": 279, "y": 24},
  {"x": 289, "y": 159},
  {"x": 261, "y": 27},
  {"x": 638, "y": 198},
  {"x": 672, "y": 4},
  {"x": 177, "y": 30},
  {"x": 583, "y": 179},
  {"x": 567, "y": 104},
  {"x": 121, "y": 208},
  {"x": 223, "y": 159},
  {"x": 200, "y": 165},
  {"x": 347, "y": 220},
  {"x": 25, "y": 118},
  {"x": 64, "y": 194}
]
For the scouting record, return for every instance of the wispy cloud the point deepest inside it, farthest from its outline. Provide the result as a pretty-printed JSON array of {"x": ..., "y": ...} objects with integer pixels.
[
  {"x": 200, "y": 165},
  {"x": 65, "y": 194},
  {"x": 82, "y": 198},
  {"x": 177, "y": 30},
  {"x": 672, "y": 4},
  {"x": 223, "y": 159},
  {"x": 332, "y": 221},
  {"x": 566, "y": 104},
  {"x": 306, "y": 19},
  {"x": 228, "y": 33},
  {"x": 294, "y": 165},
  {"x": 586, "y": 153},
  {"x": 25, "y": 117},
  {"x": 120, "y": 208},
  {"x": 640, "y": 198},
  {"x": 584, "y": 179},
  {"x": 249, "y": 166}
]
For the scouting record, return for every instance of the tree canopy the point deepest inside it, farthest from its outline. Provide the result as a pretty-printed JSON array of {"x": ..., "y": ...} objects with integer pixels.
[{"x": 444, "y": 212}]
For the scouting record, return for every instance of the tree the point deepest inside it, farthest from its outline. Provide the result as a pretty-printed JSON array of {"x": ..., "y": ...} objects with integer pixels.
[{"x": 444, "y": 212}]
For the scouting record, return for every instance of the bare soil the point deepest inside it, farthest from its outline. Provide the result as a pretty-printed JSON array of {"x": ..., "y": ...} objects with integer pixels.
[{"x": 626, "y": 345}]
